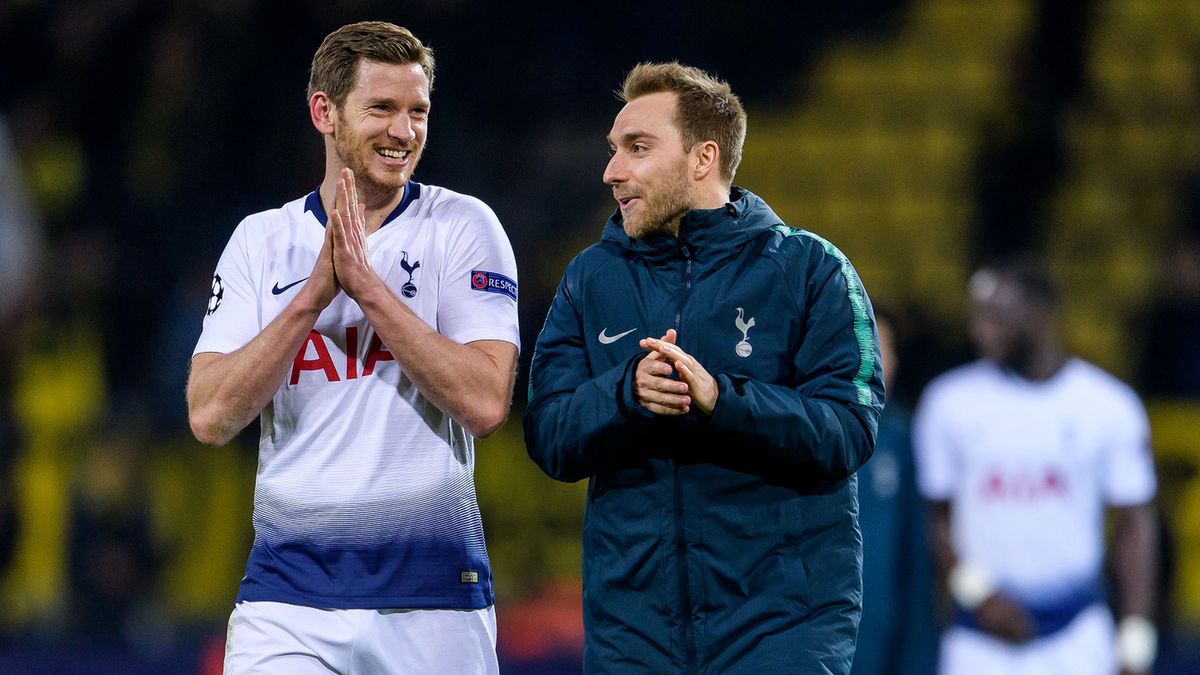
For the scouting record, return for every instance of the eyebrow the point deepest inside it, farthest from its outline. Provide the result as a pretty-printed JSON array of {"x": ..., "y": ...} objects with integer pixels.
[
  {"x": 388, "y": 100},
  {"x": 630, "y": 136}
]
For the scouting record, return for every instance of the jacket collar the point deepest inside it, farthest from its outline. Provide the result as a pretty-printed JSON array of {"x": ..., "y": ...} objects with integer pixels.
[{"x": 707, "y": 234}]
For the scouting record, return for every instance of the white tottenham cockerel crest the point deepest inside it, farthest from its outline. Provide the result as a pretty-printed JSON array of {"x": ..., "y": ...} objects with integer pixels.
[{"x": 743, "y": 348}]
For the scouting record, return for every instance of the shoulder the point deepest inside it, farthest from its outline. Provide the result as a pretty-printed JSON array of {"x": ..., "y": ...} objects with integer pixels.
[
  {"x": 258, "y": 230},
  {"x": 796, "y": 245},
  {"x": 1102, "y": 390},
  {"x": 811, "y": 262},
  {"x": 591, "y": 267},
  {"x": 963, "y": 383},
  {"x": 447, "y": 205}
]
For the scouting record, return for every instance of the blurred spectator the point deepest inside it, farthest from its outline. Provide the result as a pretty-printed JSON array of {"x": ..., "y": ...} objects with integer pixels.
[
  {"x": 19, "y": 228},
  {"x": 114, "y": 558},
  {"x": 19, "y": 244},
  {"x": 898, "y": 633}
]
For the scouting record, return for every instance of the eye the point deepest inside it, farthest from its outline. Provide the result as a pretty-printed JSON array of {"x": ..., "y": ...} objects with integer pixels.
[
  {"x": 611, "y": 151},
  {"x": 639, "y": 147}
]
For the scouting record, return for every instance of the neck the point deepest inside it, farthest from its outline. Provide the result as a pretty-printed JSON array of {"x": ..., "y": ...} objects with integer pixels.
[
  {"x": 707, "y": 197},
  {"x": 1040, "y": 365},
  {"x": 377, "y": 201},
  {"x": 712, "y": 196}
]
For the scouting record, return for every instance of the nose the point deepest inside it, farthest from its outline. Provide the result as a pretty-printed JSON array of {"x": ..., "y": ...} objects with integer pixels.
[
  {"x": 616, "y": 171},
  {"x": 402, "y": 128}
]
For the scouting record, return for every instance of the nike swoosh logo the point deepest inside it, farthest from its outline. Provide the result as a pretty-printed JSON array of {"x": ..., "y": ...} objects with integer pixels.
[
  {"x": 277, "y": 289},
  {"x": 609, "y": 339}
]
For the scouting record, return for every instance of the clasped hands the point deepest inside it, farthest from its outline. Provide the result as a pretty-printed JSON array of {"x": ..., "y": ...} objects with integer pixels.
[
  {"x": 660, "y": 393},
  {"x": 342, "y": 262}
]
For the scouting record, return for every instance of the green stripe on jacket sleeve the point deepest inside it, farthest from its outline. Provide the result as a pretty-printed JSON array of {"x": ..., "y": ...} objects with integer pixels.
[{"x": 858, "y": 305}]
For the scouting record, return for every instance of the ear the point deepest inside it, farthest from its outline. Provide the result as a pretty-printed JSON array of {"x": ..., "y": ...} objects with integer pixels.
[
  {"x": 323, "y": 112},
  {"x": 705, "y": 160}
]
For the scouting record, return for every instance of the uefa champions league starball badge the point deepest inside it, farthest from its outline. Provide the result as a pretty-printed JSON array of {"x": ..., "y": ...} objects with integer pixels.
[{"x": 218, "y": 292}]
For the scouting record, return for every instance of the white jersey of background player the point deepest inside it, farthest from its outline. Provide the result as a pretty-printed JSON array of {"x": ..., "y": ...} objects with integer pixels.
[
  {"x": 1020, "y": 453},
  {"x": 373, "y": 325}
]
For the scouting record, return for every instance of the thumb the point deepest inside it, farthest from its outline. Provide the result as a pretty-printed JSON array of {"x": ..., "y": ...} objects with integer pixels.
[{"x": 670, "y": 336}]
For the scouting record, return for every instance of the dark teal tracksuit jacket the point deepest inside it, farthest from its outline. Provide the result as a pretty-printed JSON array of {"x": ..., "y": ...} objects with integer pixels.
[{"x": 726, "y": 543}]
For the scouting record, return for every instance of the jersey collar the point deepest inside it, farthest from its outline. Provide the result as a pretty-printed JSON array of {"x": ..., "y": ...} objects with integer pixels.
[{"x": 412, "y": 192}]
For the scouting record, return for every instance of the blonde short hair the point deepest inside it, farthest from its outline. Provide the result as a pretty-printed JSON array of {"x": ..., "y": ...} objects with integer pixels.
[{"x": 707, "y": 109}]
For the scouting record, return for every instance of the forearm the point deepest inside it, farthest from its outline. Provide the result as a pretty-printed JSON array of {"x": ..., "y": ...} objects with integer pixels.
[
  {"x": 1135, "y": 560},
  {"x": 834, "y": 436},
  {"x": 940, "y": 548},
  {"x": 573, "y": 431},
  {"x": 226, "y": 391},
  {"x": 471, "y": 383}
]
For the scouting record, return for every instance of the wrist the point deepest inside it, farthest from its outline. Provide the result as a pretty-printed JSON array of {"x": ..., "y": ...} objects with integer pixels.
[
  {"x": 970, "y": 584},
  {"x": 1137, "y": 643},
  {"x": 371, "y": 291},
  {"x": 308, "y": 303}
]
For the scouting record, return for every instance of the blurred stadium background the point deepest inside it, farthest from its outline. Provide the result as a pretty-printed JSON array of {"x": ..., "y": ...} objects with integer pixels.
[{"x": 921, "y": 136}]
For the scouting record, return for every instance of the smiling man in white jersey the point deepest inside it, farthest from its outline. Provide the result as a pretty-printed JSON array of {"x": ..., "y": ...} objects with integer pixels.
[
  {"x": 1020, "y": 453},
  {"x": 373, "y": 326}
]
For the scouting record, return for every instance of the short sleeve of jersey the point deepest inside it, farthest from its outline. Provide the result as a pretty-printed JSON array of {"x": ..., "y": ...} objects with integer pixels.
[
  {"x": 1129, "y": 468},
  {"x": 232, "y": 317},
  {"x": 933, "y": 445},
  {"x": 479, "y": 287}
]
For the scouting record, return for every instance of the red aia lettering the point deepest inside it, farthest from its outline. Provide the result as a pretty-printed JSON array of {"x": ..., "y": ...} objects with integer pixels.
[
  {"x": 376, "y": 353},
  {"x": 322, "y": 360}
]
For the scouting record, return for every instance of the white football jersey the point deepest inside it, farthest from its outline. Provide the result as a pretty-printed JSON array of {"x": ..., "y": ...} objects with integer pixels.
[
  {"x": 1029, "y": 467},
  {"x": 365, "y": 493}
]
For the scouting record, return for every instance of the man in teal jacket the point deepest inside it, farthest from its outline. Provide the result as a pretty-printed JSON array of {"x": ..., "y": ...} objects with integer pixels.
[{"x": 715, "y": 374}]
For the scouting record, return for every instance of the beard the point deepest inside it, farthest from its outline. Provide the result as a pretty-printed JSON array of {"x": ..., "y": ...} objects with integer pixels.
[
  {"x": 661, "y": 208},
  {"x": 355, "y": 153}
]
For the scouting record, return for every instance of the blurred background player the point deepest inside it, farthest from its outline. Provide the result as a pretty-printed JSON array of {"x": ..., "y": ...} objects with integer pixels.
[
  {"x": 898, "y": 632},
  {"x": 1019, "y": 453},
  {"x": 377, "y": 342}
]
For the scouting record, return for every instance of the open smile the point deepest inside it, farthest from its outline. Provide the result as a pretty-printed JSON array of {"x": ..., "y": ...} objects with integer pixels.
[{"x": 393, "y": 155}]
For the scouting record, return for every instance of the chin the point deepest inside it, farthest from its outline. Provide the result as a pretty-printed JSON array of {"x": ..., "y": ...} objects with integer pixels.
[
  {"x": 638, "y": 230},
  {"x": 387, "y": 181}
]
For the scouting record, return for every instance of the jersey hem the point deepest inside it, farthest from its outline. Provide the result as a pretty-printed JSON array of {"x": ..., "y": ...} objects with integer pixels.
[{"x": 480, "y": 601}]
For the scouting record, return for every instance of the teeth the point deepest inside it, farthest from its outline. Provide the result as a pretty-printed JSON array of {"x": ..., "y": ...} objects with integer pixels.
[{"x": 393, "y": 154}]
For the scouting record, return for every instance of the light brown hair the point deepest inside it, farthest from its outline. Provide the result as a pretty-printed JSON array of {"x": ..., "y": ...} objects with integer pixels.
[
  {"x": 706, "y": 108},
  {"x": 335, "y": 65}
]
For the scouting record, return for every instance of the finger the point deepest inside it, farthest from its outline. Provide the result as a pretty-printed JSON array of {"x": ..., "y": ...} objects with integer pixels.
[
  {"x": 355, "y": 207},
  {"x": 663, "y": 384},
  {"x": 656, "y": 367},
  {"x": 679, "y": 401},
  {"x": 328, "y": 243},
  {"x": 654, "y": 354},
  {"x": 341, "y": 197},
  {"x": 338, "y": 225},
  {"x": 675, "y": 402},
  {"x": 670, "y": 336},
  {"x": 671, "y": 352},
  {"x": 652, "y": 343},
  {"x": 685, "y": 373},
  {"x": 663, "y": 410}
]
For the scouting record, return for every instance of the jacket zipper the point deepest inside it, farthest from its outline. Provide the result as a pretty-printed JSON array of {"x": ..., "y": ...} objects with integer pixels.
[{"x": 685, "y": 594}]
